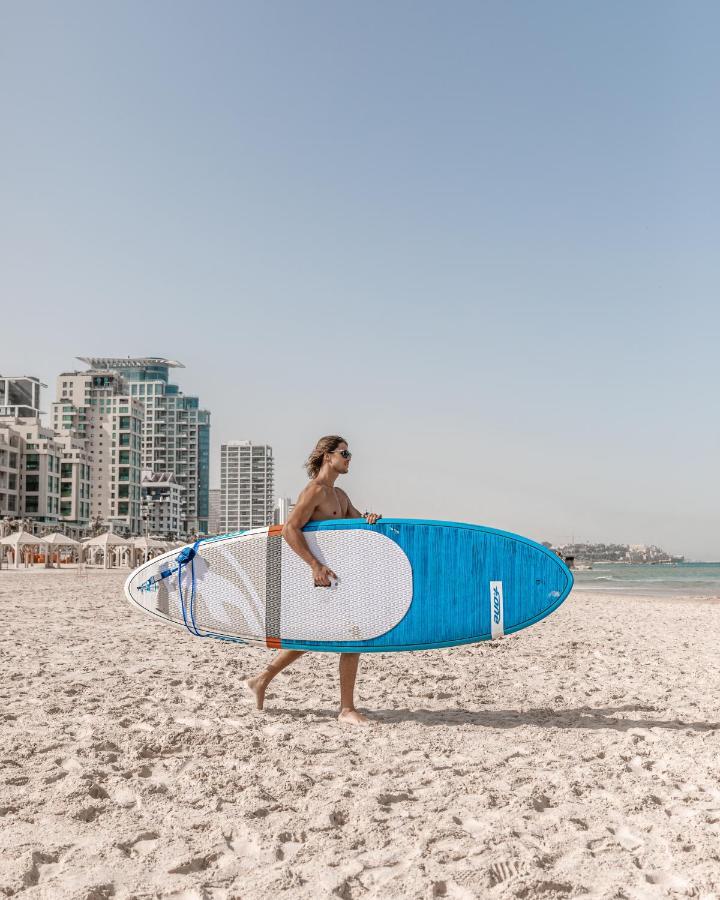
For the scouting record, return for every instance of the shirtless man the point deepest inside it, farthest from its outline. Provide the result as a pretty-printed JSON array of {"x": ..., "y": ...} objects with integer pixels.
[{"x": 320, "y": 500}]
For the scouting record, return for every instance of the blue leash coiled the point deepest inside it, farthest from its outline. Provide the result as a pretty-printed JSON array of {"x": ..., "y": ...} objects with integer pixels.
[{"x": 187, "y": 555}]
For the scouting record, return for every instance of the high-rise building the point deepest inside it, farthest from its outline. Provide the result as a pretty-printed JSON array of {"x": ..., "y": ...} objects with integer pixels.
[
  {"x": 214, "y": 511},
  {"x": 98, "y": 407},
  {"x": 20, "y": 395},
  {"x": 283, "y": 507},
  {"x": 246, "y": 486},
  {"x": 175, "y": 433}
]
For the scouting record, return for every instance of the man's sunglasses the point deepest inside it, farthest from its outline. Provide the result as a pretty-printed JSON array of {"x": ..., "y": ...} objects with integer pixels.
[{"x": 346, "y": 454}]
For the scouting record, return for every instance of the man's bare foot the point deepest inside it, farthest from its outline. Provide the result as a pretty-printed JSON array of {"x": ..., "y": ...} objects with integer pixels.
[
  {"x": 352, "y": 717},
  {"x": 257, "y": 686}
]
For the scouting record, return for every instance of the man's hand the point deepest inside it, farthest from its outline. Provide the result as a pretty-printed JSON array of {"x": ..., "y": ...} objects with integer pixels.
[
  {"x": 372, "y": 517},
  {"x": 322, "y": 575}
]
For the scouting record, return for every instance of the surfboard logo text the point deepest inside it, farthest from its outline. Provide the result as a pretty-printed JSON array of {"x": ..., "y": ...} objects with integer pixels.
[{"x": 497, "y": 625}]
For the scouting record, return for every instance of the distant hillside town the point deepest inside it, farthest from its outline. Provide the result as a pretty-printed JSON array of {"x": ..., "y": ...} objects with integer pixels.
[{"x": 617, "y": 553}]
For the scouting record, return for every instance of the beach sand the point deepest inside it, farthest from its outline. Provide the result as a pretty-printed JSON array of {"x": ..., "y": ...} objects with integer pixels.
[{"x": 578, "y": 758}]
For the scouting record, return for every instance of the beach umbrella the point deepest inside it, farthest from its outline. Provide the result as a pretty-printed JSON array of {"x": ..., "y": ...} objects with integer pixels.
[
  {"x": 146, "y": 544},
  {"x": 106, "y": 542},
  {"x": 20, "y": 539},
  {"x": 58, "y": 539}
]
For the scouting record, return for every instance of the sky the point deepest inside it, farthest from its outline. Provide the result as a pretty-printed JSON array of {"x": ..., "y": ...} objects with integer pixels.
[{"x": 479, "y": 240}]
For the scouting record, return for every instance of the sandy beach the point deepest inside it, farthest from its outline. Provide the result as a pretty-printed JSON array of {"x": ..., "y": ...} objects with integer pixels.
[{"x": 576, "y": 759}]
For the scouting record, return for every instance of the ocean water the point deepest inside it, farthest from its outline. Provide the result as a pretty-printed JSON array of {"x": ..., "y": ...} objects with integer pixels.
[{"x": 683, "y": 579}]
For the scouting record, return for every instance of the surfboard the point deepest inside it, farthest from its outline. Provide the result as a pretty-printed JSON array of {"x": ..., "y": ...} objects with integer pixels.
[{"x": 403, "y": 584}]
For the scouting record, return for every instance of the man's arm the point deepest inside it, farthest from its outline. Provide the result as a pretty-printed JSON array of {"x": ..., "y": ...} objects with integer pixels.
[
  {"x": 292, "y": 532},
  {"x": 353, "y": 513}
]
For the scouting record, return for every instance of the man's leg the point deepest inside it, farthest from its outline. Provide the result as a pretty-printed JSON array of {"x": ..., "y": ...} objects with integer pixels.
[
  {"x": 348, "y": 671},
  {"x": 258, "y": 684}
]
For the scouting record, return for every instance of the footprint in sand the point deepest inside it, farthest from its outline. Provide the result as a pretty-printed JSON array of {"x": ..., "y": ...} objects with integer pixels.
[
  {"x": 43, "y": 866},
  {"x": 244, "y": 844},
  {"x": 628, "y": 839},
  {"x": 145, "y": 843},
  {"x": 125, "y": 797},
  {"x": 288, "y": 845},
  {"x": 506, "y": 870}
]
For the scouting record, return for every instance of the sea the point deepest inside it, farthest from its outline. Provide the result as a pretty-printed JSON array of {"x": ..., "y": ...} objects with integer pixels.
[{"x": 674, "y": 580}]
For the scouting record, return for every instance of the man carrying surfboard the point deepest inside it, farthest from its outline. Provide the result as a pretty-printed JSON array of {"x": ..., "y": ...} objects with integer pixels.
[{"x": 319, "y": 501}]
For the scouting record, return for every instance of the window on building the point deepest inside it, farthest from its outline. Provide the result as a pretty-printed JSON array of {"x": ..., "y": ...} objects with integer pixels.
[{"x": 31, "y": 504}]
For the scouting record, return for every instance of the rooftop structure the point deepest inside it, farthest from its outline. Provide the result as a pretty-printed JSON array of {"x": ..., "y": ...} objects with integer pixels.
[
  {"x": 20, "y": 395},
  {"x": 127, "y": 362}
]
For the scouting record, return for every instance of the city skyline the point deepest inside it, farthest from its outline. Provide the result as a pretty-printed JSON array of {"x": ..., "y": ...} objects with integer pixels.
[
  {"x": 276, "y": 494},
  {"x": 460, "y": 238}
]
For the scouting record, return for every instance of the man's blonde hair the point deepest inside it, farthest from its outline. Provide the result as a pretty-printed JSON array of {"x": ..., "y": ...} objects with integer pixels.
[{"x": 325, "y": 445}]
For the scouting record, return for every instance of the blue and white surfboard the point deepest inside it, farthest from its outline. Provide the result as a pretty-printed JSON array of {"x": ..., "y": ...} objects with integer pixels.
[{"x": 403, "y": 584}]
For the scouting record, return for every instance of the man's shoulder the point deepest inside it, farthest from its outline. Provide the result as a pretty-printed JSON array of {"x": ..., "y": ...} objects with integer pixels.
[{"x": 312, "y": 489}]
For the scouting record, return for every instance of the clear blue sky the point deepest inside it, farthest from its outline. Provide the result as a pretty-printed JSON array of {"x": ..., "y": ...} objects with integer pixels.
[{"x": 478, "y": 239}]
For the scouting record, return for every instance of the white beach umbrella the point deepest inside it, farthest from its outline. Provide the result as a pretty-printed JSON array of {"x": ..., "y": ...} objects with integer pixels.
[
  {"x": 106, "y": 542},
  {"x": 106, "y": 539},
  {"x": 58, "y": 539},
  {"x": 20, "y": 539},
  {"x": 147, "y": 543}
]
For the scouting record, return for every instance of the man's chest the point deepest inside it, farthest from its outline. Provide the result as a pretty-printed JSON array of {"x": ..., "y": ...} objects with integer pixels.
[{"x": 333, "y": 506}]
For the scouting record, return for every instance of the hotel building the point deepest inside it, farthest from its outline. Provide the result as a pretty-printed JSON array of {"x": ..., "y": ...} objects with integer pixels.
[{"x": 175, "y": 431}]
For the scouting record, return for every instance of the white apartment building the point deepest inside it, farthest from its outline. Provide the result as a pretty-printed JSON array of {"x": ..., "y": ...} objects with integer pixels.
[
  {"x": 43, "y": 476},
  {"x": 175, "y": 432},
  {"x": 246, "y": 486},
  {"x": 162, "y": 504},
  {"x": 282, "y": 510},
  {"x": 214, "y": 511},
  {"x": 96, "y": 406},
  {"x": 39, "y": 475},
  {"x": 75, "y": 485},
  {"x": 12, "y": 448}
]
